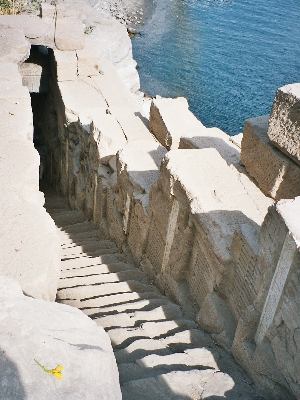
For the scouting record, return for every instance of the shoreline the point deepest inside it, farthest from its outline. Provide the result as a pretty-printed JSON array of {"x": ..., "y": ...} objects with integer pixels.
[{"x": 132, "y": 13}]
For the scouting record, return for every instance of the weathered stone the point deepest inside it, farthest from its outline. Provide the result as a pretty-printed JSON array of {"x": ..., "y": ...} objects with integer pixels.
[
  {"x": 36, "y": 30},
  {"x": 66, "y": 65},
  {"x": 80, "y": 100},
  {"x": 69, "y": 34},
  {"x": 33, "y": 331},
  {"x": 175, "y": 126},
  {"x": 276, "y": 174},
  {"x": 170, "y": 119},
  {"x": 237, "y": 140},
  {"x": 284, "y": 124},
  {"x": 48, "y": 11},
  {"x": 10, "y": 72},
  {"x": 26, "y": 255},
  {"x": 214, "y": 138},
  {"x": 109, "y": 40},
  {"x": 264, "y": 343},
  {"x": 210, "y": 201},
  {"x": 215, "y": 317},
  {"x": 14, "y": 47}
]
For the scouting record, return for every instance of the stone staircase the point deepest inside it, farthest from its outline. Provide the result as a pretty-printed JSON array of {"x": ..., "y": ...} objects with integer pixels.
[{"x": 161, "y": 354}]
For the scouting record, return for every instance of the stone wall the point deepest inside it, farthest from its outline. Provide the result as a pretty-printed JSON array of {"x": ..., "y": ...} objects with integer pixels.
[
  {"x": 187, "y": 202},
  {"x": 28, "y": 256}
]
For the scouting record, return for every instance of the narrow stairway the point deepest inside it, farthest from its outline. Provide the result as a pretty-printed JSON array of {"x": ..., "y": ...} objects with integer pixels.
[{"x": 161, "y": 355}]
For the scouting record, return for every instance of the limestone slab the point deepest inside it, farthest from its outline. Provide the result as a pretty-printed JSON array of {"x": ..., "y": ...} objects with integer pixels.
[
  {"x": 275, "y": 173},
  {"x": 284, "y": 124}
]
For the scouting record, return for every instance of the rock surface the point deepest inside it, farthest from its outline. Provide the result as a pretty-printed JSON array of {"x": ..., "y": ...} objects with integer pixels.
[
  {"x": 52, "y": 334},
  {"x": 284, "y": 126},
  {"x": 275, "y": 173},
  {"x": 26, "y": 255}
]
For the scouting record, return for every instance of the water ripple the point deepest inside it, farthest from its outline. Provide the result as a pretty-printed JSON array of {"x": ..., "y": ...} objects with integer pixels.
[{"x": 227, "y": 57}]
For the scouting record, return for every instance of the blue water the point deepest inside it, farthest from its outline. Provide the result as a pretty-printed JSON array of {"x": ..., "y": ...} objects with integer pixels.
[{"x": 227, "y": 57}]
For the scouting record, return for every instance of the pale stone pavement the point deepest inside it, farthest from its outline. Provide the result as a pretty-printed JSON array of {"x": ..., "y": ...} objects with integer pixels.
[{"x": 161, "y": 354}]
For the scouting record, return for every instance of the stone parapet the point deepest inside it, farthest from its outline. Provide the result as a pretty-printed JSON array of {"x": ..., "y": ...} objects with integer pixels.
[
  {"x": 266, "y": 341},
  {"x": 275, "y": 173},
  {"x": 284, "y": 125}
]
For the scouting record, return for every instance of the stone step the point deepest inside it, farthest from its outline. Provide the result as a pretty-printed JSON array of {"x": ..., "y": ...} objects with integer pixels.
[
  {"x": 68, "y": 218},
  {"x": 77, "y": 237},
  {"x": 55, "y": 203},
  {"x": 121, "y": 336},
  {"x": 176, "y": 385},
  {"x": 79, "y": 227},
  {"x": 97, "y": 290},
  {"x": 189, "y": 338},
  {"x": 75, "y": 241},
  {"x": 141, "y": 348},
  {"x": 59, "y": 209},
  {"x": 154, "y": 364},
  {"x": 98, "y": 269},
  {"x": 91, "y": 254},
  {"x": 89, "y": 247},
  {"x": 136, "y": 318},
  {"x": 102, "y": 278},
  {"x": 109, "y": 300},
  {"x": 87, "y": 262},
  {"x": 146, "y": 305}
]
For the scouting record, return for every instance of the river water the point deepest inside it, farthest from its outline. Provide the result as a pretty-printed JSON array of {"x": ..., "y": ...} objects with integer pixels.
[{"x": 227, "y": 57}]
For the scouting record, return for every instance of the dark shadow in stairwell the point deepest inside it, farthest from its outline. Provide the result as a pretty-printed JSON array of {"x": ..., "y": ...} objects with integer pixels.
[{"x": 11, "y": 386}]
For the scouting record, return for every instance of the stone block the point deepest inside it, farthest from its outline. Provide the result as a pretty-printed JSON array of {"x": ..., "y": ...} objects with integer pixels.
[
  {"x": 237, "y": 140},
  {"x": 26, "y": 255},
  {"x": 265, "y": 341},
  {"x": 284, "y": 124},
  {"x": 88, "y": 64},
  {"x": 216, "y": 318},
  {"x": 275, "y": 173},
  {"x": 35, "y": 333},
  {"x": 69, "y": 34},
  {"x": 14, "y": 46},
  {"x": 138, "y": 169},
  {"x": 81, "y": 100},
  {"x": 201, "y": 203},
  {"x": 10, "y": 72},
  {"x": 212, "y": 138},
  {"x": 66, "y": 65},
  {"x": 36, "y": 30},
  {"x": 47, "y": 11},
  {"x": 170, "y": 119},
  {"x": 108, "y": 39}
]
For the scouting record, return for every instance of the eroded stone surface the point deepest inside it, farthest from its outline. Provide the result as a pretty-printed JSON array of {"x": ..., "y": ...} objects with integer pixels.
[
  {"x": 275, "y": 173},
  {"x": 52, "y": 334},
  {"x": 69, "y": 34},
  {"x": 14, "y": 47},
  {"x": 284, "y": 126},
  {"x": 26, "y": 255}
]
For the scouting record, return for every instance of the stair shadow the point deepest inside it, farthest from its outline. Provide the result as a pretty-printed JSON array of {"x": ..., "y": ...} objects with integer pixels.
[{"x": 224, "y": 361}]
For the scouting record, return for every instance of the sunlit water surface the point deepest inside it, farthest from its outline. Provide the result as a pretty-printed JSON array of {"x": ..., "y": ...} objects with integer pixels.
[{"x": 227, "y": 57}]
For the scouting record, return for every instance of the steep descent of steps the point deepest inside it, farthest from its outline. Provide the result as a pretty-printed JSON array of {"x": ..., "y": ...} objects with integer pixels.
[{"x": 160, "y": 353}]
